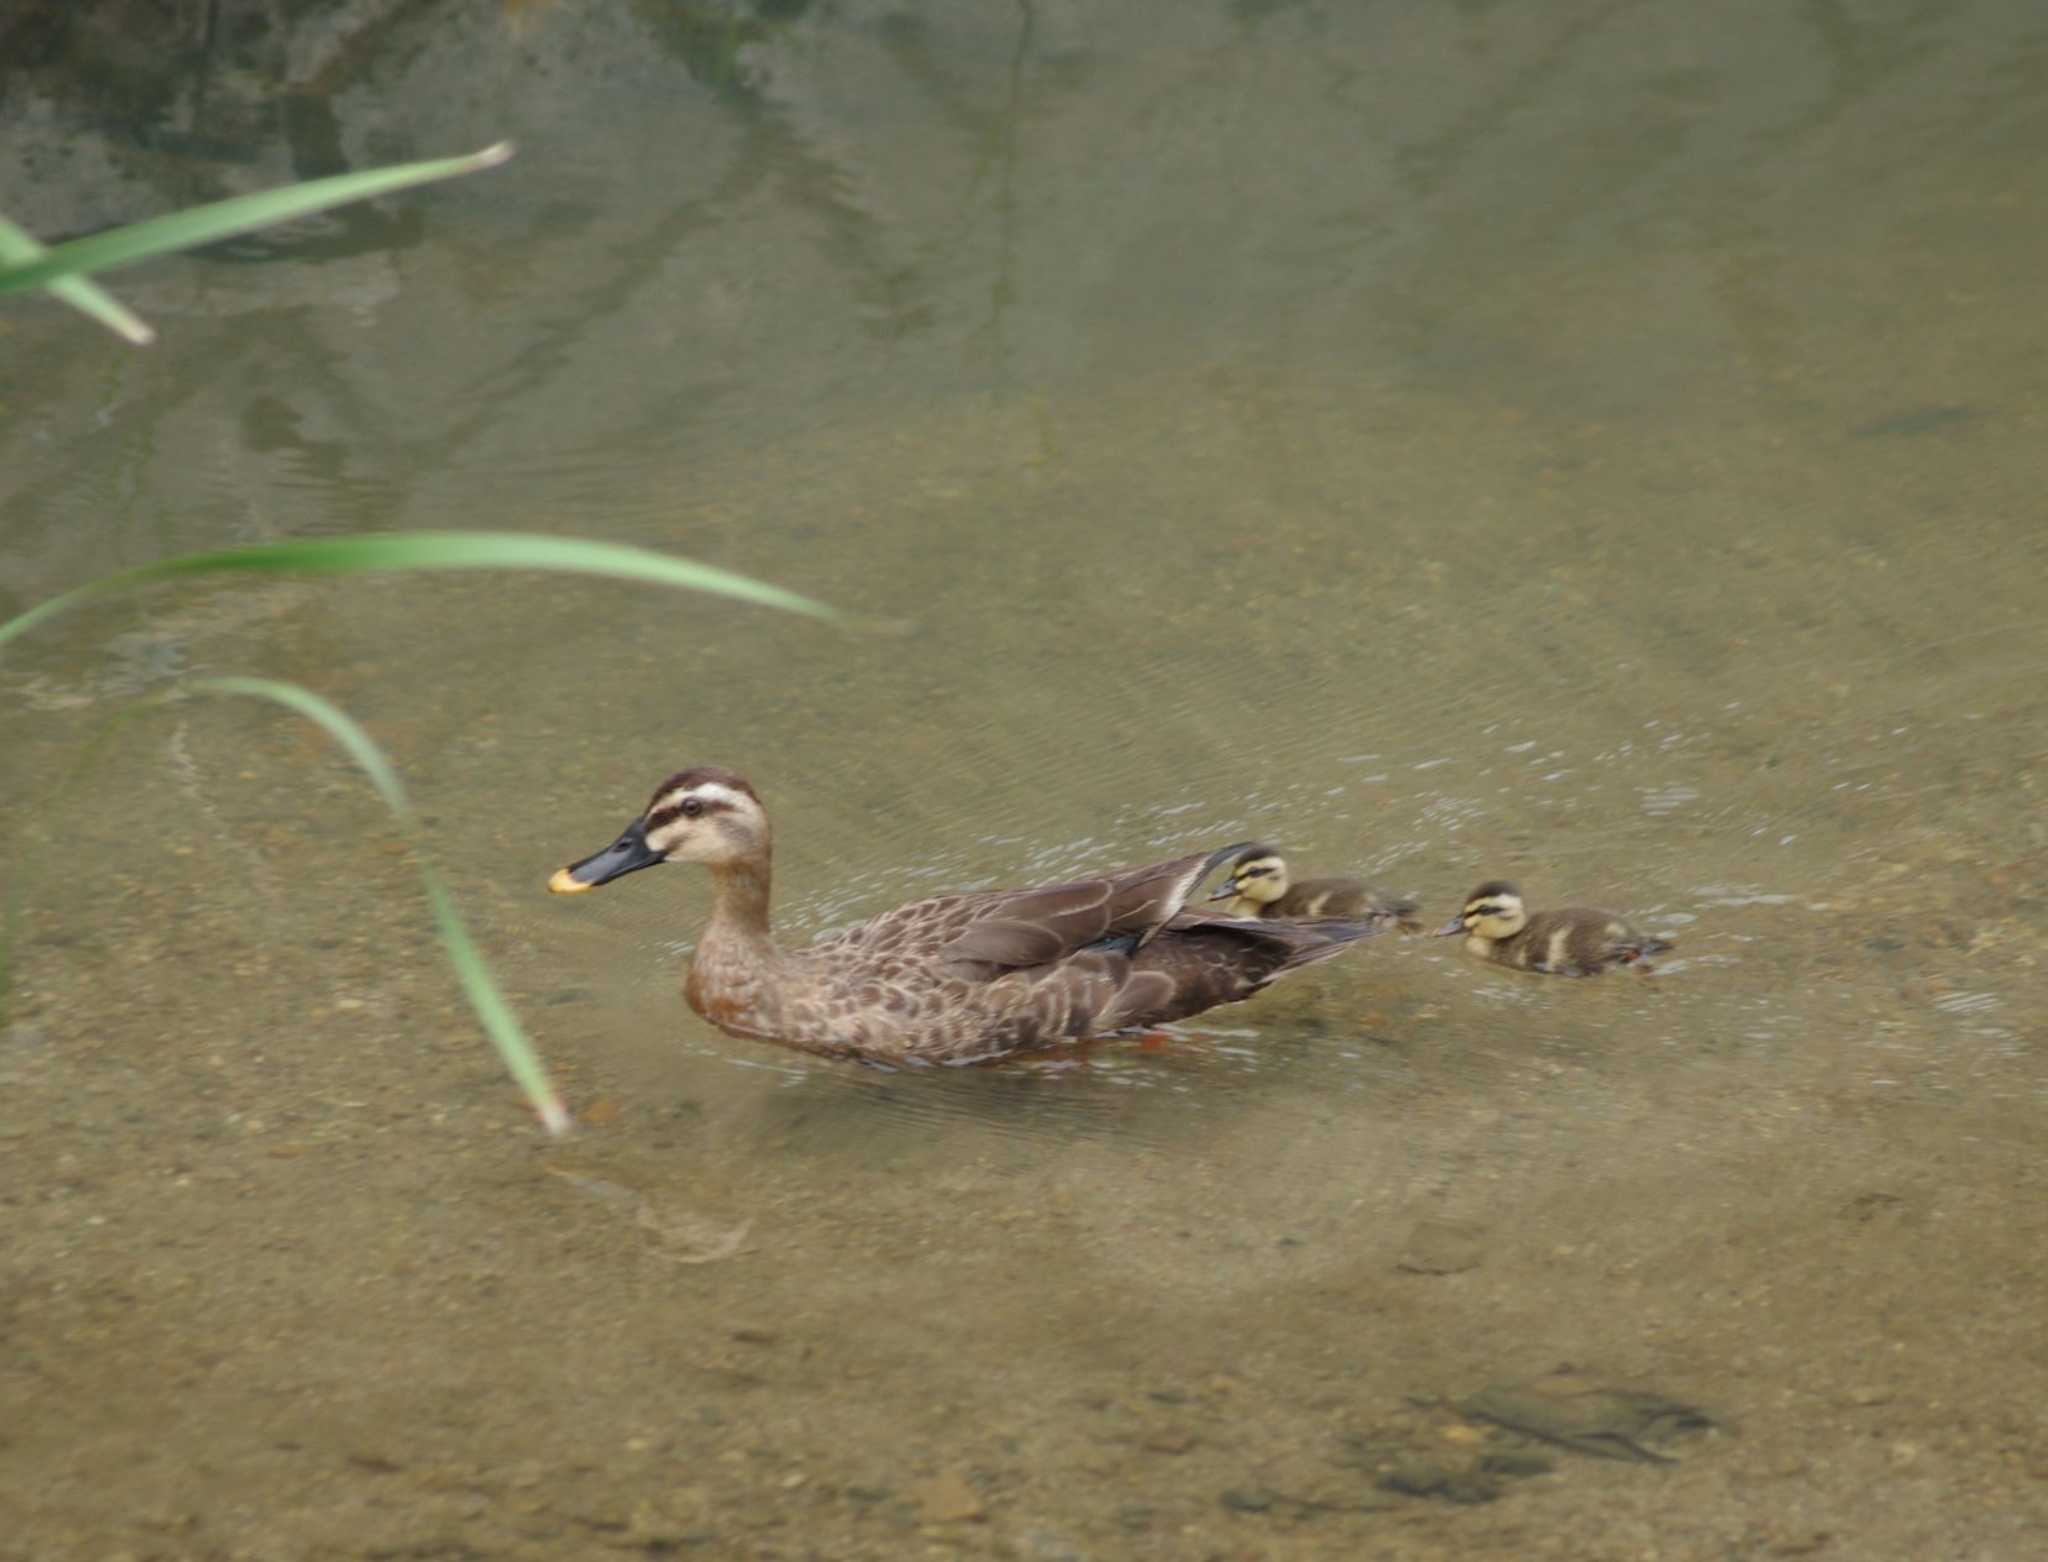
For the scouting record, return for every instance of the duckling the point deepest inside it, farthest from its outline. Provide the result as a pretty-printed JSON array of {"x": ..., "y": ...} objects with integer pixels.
[
  {"x": 956, "y": 978},
  {"x": 1574, "y": 941},
  {"x": 1259, "y": 886}
]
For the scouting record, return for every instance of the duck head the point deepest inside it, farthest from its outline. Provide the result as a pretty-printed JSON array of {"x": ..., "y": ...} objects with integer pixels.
[
  {"x": 1492, "y": 911},
  {"x": 1258, "y": 874},
  {"x": 705, "y": 815}
]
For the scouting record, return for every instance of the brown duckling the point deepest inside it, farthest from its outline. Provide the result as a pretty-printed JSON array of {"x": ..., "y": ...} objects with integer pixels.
[
  {"x": 1260, "y": 886},
  {"x": 1573, "y": 941},
  {"x": 956, "y": 978}
]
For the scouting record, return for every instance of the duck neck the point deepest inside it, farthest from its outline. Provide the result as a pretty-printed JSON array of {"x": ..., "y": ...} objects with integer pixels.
[
  {"x": 735, "y": 972},
  {"x": 739, "y": 906}
]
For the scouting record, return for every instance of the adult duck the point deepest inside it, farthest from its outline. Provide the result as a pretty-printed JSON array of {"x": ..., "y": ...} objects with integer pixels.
[{"x": 956, "y": 978}]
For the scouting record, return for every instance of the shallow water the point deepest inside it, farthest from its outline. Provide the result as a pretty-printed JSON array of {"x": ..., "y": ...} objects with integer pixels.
[{"x": 1593, "y": 444}]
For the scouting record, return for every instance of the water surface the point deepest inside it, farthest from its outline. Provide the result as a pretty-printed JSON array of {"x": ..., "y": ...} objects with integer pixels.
[{"x": 1595, "y": 444}]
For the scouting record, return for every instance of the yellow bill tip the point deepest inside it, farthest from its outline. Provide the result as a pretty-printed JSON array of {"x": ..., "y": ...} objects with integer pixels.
[{"x": 566, "y": 883}]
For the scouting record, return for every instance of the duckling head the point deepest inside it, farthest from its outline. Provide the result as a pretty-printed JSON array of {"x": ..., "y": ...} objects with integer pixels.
[
  {"x": 1259, "y": 874},
  {"x": 705, "y": 815},
  {"x": 1492, "y": 911}
]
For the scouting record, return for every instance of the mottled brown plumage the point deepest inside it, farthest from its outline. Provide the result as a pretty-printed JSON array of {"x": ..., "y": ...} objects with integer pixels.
[
  {"x": 1260, "y": 886},
  {"x": 956, "y": 978},
  {"x": 1571, "y": 941}
]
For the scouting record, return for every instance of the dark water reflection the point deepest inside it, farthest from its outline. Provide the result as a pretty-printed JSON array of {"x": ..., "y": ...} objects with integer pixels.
[{"x": 1595, "y": 444}]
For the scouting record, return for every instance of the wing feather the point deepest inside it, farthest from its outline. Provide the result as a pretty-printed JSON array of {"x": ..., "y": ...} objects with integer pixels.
[{"x": 1040, "y": 926}]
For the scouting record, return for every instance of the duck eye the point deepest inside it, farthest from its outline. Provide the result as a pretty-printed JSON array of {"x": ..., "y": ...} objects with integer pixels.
[{"x": 692, "y": 808}]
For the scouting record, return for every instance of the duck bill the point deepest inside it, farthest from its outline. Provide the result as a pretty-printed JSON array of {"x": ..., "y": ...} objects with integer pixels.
[
  {"x": 1227, "y": 892},
  {"x": 628, "y": 854},
  {"x": 1455, "y": 925}
]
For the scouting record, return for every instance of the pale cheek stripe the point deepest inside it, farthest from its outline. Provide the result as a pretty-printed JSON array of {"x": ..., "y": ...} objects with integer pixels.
[
  {"x": 708, "y": 792},
  {"x": 717, "y": 793}
]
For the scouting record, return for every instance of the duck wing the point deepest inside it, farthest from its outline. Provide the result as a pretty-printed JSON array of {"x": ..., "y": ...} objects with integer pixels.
[
  {"x": 1035, "y": 927},
  {"x": 1201, "y": 961}
]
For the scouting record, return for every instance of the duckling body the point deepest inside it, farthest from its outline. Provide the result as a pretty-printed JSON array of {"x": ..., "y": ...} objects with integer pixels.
[
  {"x": 1260, "y": 886},
  {"x": 956, "y": 978},
  {"x": 1571, "y": 941}
]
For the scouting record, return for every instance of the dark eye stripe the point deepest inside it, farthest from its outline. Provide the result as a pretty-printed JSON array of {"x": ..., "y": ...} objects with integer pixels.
[{"x": 669, "y": 815}]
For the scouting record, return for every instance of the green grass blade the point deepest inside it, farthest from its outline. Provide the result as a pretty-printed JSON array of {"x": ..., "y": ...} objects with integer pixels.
[
  {"x": 478, "y": 984},
  {"x": 342, "y": 727},
  {"x": 439, "y": 550},
  {"x": 19, "y": 248},
  {"x": 238, "y": 214}
]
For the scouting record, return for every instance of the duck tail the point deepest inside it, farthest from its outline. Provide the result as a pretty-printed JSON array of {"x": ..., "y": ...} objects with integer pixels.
[{"x": 1396, "y": 909}]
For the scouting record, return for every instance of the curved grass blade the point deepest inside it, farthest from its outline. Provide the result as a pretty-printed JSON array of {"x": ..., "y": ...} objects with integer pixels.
[
  {"x": 19, "y": 247},
  {"x": 238, "y": 214},
  {"x": 439, "y": 550},
  {"x": 478, "y": 984}
]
